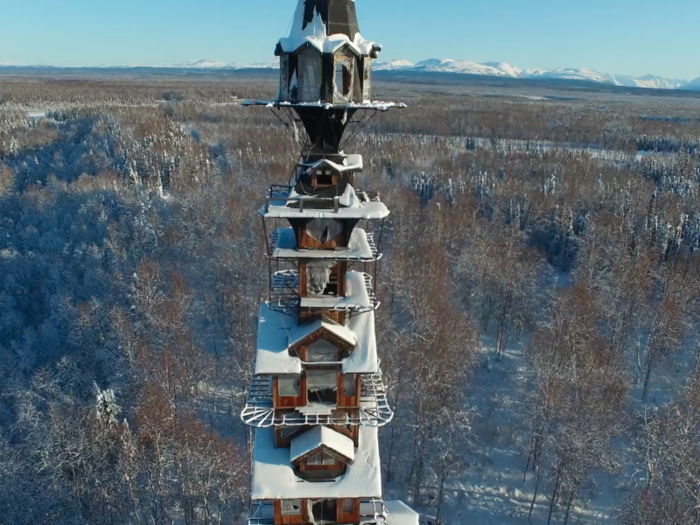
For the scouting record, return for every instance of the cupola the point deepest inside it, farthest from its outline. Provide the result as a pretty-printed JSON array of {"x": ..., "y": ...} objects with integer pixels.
[{"x": 325, "y": 59}]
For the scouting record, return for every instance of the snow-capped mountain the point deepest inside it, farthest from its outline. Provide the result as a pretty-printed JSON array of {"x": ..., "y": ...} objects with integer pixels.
[
  {"x": 694, "y": 85},
  {"x": 202, "y": 64},
  {"x": 213, "y": 64},
  {"x": 502, "y": 69},
  {"x": 648, "y": 81},
  {"x": 446, "y": 65}
]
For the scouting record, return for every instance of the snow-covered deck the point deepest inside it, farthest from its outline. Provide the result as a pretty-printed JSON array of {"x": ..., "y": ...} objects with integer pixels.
[
  {"x": 284, "y": 203},
  {"x": 274, "y": 477},
  {"x": 374, "y": 105},
  {"x": 274, "y": 330},
  {"x": 372, "y": 512},
  {"x": 361, "y": 248},
  {"x": 359, "y": 298},
  {"x": 352, "y": 162},
  {"x": 374, "y": 407},
  {"x": 398, "y": 513}
]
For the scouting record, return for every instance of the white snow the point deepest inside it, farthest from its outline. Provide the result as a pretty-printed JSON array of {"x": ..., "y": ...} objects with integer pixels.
[
  {"x": 693, "y": 85},
  {"x": 502, "y": 69},
  {"x": 215, "y": 64},
  {"x": 299, "y": 334},
  {"x": 349, "y": 199},
  {"x": 350, "y": 163},
  {"x": 280, "y": 209},
  {"x": 274, "y": 328},
  {"x": 274, "y": 477},
  {"x": 318, "y": 437},
  {"x": 358, "y": 248},
  {"x": 373, "y": 105},
  {"x": 315, "y": 34},
  {"x": 398, "y": 513},
  {"x": 356, "y": 297}
]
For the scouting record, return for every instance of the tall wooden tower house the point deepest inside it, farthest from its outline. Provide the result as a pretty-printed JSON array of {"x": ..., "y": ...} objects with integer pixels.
[{"x": 317, "y": 398}]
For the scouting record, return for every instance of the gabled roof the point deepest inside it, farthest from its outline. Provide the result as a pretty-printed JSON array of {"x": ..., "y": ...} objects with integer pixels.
[
  {"x": 274, "y": 477},
  {"x": 318, "y": 328},
  {"x": 273, "y": 357},
  {"x": 319, "y": 438},
  {"x": 350, "y": 163}
]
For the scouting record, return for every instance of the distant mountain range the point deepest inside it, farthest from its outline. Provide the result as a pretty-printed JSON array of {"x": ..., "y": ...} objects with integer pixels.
[
  {"x": 463, "y": 67},
  {"x": 501, "y": 69}
]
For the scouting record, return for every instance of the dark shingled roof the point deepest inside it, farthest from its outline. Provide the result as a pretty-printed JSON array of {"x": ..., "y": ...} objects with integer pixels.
[{"x": 339, "y": 16}]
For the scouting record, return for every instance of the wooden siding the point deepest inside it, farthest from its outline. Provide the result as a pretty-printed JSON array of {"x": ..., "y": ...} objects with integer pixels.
[
  {"x": 288, "y": 402},
  {"x": 348, "y": 517},
  {"x": 291, "y": 520},
  {"x": 348, "y": 401}
]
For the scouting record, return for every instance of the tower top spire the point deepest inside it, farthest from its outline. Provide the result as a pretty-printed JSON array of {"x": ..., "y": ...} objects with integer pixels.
[
  {"x": 326, "y": 25},
  {"x": 338, "y": 16}
]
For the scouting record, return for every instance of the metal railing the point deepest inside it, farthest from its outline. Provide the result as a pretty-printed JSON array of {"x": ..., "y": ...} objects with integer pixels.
[
  {"x": 285, "y": 295},
  {"x": 374, "y": 410}
]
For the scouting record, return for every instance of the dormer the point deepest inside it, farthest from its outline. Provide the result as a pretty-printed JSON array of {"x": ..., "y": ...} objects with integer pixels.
[
  {"x": 322, "y": 341},
  {"x": 325, "y": 59},
  {"x": 321, "y": 454}
]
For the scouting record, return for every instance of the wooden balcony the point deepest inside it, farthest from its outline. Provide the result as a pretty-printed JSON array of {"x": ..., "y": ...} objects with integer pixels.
[
  {"x": 285, "y": 294},
  {"x": 374, "y": 410}
]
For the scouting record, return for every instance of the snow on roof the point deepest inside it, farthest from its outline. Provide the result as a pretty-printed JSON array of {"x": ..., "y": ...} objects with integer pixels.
[
  {"x": 358, "y": 248},
  {"x": 352, "y": 162},
  {"x": 356, "y": 298},
  {"x": 318, "y": 437},
  {"x": 398, "y": 513},
  {"x": 273, "y": 358},
  {"x": 349, "y": 198},
  {"x": 299, "y": 334},
  {"x": 278, "y": 209},
  {"x": 315, "y": 33},
  {"x": 369, "y": 105},
  {"x": 274, "y": 477}
]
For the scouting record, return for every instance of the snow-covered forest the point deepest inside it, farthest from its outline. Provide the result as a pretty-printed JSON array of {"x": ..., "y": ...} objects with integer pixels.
[{"x": 540, "y": 298}]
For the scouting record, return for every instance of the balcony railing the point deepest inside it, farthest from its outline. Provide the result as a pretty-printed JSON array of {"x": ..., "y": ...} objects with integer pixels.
[
  {"x": 285, "y": 295},
  {"x": 275, "y": 244},
  {"x": 374, "y": 410},
  {"x": 372, "y": 512}
]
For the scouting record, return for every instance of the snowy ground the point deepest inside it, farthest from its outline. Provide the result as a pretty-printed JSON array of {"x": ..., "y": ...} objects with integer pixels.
[{"x": 492, "y": 491}]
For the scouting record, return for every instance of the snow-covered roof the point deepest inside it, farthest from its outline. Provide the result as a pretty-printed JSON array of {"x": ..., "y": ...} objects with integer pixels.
[
  {"x": 274, "y": 477},
  {"x": 299, "y": 334},
  {"x": 312, "y": 440},
  {"x": 279, "y": 209},
  {"x": 326, "y": 29},
  {"x": 398, "y": 513},
  {"x": 359, "y": 248},
  {"x": 274, "y": 327},
  {"x": 352, "y": 163}
]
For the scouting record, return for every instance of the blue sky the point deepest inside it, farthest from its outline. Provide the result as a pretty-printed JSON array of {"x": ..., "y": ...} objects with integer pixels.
[{"x": 633, "y": 37}]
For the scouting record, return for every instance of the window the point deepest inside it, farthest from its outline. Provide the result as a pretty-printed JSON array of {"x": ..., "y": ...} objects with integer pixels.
[
  {"x": 350, "y": 385},
  {"x": 322, "y": 351},
  {"x": 290, "y": 386},
  {"x": 322, "y": 459},
  {"x": 348, "y": 506},
  {"x": 322, "y": 386},
  {"x": 324, "y": 180},
  {"x": 324, "y": 230},
  {"x": 291, "y": 507},
  {"x": 344, "y": 67},
  {"x": 321, "y": 279},
  {"x": 309, "y": 76}
]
